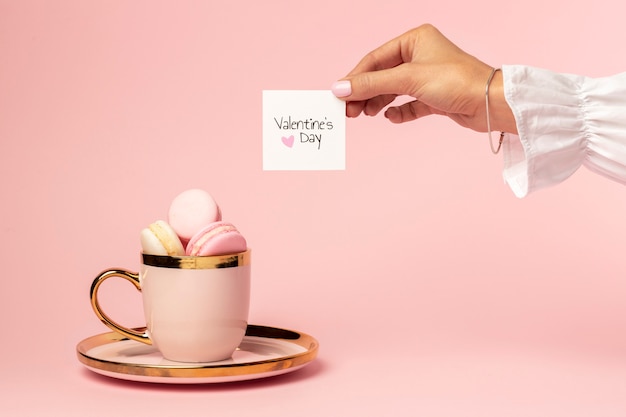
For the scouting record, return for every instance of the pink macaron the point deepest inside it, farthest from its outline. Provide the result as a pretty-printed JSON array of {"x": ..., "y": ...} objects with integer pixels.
[
  {"x": 218, "y": 238},
  {"x": 191, "y": 210}
]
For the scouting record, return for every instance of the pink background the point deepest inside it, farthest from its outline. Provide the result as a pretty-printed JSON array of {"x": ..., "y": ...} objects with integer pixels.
[{"x": 431, "y": 289}]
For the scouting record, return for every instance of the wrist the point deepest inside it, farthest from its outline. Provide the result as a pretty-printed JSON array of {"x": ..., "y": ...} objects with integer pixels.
[{"x": 501, "y": 115}]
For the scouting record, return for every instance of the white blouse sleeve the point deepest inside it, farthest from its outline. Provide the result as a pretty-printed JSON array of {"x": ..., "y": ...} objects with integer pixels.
[{"x": 563, "y": 121}]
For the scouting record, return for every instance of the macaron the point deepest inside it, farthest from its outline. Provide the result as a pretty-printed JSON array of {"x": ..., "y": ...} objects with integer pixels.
[
  {"x": 160, "y": 239},
  {"x": 192, "y": 210},
  {"x": 218, "y": 238}
]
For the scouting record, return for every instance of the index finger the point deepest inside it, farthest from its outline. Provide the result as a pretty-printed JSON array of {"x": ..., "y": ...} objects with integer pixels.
[{"x": 385, "y": 56}]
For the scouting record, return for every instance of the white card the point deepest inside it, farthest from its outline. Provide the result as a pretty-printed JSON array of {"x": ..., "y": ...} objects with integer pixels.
[{"x": 303, "y": 130}]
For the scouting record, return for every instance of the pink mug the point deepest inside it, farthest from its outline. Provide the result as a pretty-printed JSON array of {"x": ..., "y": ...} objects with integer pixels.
[{"x": 196, "y": 307}]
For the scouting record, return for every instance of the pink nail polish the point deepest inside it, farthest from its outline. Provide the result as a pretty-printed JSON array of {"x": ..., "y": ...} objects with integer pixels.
[{"x": 342, "y": 88}]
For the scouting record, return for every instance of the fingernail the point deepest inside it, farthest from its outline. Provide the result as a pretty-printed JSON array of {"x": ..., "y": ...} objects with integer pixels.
[{"x": 341, "y": 88}]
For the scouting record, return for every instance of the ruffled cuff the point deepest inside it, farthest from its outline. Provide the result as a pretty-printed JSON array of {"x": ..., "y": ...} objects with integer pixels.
[
  {"x": 550, "y": 145},
  {"x": 563, "y": 121}
]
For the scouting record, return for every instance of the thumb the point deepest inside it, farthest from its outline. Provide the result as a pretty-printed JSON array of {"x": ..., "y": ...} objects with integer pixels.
[{"x": 367, "y": 85}]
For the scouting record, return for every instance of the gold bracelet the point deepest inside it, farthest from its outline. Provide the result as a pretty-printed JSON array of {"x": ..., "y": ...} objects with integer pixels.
[{"x": 495, "y": 151}]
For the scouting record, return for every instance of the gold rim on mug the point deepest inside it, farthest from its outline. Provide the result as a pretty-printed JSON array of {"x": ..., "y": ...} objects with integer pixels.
[{"x": 197, "y": 262}]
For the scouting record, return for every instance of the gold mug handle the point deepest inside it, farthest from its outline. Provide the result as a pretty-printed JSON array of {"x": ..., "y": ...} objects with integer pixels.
[{"x": 93, "y": 295}]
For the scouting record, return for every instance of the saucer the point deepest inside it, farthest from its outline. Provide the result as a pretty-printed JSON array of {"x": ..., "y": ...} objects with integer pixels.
[{"x": 264, "y": 352}]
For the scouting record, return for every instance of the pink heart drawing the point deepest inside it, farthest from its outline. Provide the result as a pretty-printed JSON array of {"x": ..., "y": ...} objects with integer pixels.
[{"x": 288, "y": 141}]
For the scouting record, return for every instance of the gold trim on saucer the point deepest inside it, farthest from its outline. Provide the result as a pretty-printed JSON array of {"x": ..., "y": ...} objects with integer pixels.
[
  {"x": 203, "y": 372},
  {"x": 197, "y": 262}
]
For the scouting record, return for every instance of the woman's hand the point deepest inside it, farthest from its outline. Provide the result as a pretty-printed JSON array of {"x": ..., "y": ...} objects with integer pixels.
[{"x": 425, "y": 65}]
